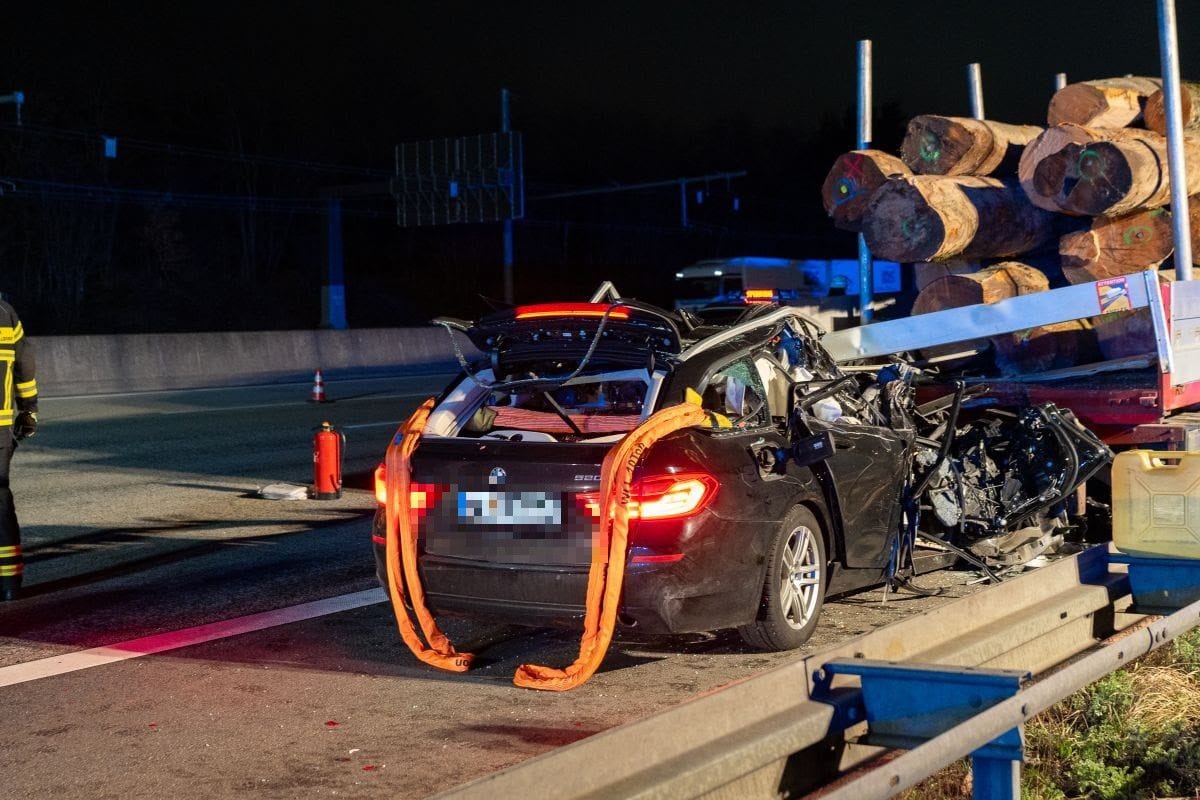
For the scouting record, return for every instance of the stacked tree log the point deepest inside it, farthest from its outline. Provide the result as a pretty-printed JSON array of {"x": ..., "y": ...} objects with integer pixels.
[
  {"x": 854, "y": 178},
  {"x": 1107, "y": 168},
  {"x": 1189, "y": 108},
  {"x": 968, "y": 192}
]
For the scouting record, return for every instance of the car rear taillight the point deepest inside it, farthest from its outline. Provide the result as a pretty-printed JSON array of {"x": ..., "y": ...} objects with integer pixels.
[
  {"x": 381, "y": 484},
  {"x": 421, "y": 496},
  {"x": 675, "y": 496},
  {"x": 671, "y": 496}
]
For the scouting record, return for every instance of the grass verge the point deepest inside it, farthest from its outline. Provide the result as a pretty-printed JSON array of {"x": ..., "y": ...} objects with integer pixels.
[{"x": 1132, "y": 735}]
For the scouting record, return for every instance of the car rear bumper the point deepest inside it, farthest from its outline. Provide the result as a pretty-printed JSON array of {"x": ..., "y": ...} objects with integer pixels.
[{"x": 709, "y": 588}]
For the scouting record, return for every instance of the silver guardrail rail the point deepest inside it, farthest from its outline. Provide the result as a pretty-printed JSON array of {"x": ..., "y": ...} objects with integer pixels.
[{"x": 803, "y": 726}]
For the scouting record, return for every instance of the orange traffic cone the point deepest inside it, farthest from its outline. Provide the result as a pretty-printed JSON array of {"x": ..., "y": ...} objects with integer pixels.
[{"x": 318, "y": 390}]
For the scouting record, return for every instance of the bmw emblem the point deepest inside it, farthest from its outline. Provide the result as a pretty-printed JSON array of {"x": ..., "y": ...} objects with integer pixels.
[{"x": 497, "y": 476}]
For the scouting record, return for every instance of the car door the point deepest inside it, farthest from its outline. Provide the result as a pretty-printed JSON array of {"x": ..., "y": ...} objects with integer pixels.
[{"x": 868, "y": 469}]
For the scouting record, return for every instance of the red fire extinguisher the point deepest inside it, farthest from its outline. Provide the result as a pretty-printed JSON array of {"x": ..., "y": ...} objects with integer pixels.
[{"x": 327, "y": 462}]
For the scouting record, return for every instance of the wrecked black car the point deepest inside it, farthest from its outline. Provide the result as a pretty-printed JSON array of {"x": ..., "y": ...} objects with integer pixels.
[{"x": 813, "y": 478}]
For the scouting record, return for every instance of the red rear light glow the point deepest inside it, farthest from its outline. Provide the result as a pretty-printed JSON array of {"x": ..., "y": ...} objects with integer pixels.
[
  {"x": 594, "y": 310},
  {"x": 381, "y": 485},
  {"x": 589, "y": 502},
  {"x": 663, "y": 558},
  {"x": 661, "y": 496},
  {"x": 671, "y": 496},
  {"x": 421, "y": 496}
]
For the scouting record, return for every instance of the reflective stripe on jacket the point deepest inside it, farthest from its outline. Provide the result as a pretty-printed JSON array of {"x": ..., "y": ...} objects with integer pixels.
[{"x": 17, "y": 372}]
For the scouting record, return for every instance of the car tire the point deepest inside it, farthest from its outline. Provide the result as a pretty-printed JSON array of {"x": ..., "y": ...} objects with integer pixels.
[{"x": 794, "y": 588}]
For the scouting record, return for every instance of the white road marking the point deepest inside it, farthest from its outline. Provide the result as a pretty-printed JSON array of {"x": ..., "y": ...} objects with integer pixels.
[
  {"x": 398, "y": 396},
  {"x": 172, "y": 640},
  {"x": 395, "y": 424}
]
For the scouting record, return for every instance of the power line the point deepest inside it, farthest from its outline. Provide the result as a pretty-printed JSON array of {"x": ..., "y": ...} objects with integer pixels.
[
  {"x": 67, "y": 134},
  {"x": 634, "y": 187},
  {"x": 111, "y": 195},
  {"x": 671, "y": 230}
]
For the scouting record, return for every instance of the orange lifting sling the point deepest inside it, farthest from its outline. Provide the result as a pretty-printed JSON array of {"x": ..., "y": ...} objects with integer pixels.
[{"x": 605, "y": 575}]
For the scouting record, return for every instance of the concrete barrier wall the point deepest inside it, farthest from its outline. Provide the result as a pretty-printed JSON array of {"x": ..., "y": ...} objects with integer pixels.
[{"x": 70, "y": 365}]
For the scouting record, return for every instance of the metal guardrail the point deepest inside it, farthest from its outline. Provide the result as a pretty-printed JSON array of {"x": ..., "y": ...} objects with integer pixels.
[
  {"x": 799, "y": 727},
  {"x": 985, "y": 727}
]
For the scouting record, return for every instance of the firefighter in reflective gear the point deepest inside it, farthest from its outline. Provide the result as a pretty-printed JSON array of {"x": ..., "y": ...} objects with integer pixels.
[{"x": 18, "y": 420}]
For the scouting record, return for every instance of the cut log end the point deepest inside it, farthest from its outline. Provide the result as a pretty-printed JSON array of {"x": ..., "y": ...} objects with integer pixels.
[
  {"x": 1043, "y": 191},
  {"x": 1050, "y": 176},
  {"x": 1155, "y": 115},
  {"x": 926, "y": 272},
  {"x": 1079, "y": 103},
  {"x": 901, "y": 228},
  {"x": 1077, "y": 250},
  {"x": 937, "y": 145},
  {"x": 935, "y": 218},
  {"x": 852, "y": 180},
  {"x": 1117, "y": 246},
  {"x": 1085, "y": 180},
  {"x": 989, "y": 285},
  {"x": 932, "y": 146}
]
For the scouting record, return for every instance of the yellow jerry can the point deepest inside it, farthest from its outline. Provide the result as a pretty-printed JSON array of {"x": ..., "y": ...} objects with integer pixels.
[{"x": 1156, "y": 503}]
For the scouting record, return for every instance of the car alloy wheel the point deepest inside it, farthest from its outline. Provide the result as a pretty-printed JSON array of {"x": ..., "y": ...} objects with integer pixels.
[
  {"x": 800, "y": 578},
  {"x": 793, "y": 589}
]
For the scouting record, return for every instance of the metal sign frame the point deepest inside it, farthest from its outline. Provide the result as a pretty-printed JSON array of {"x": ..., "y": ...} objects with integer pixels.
[{"x": 466, "y": 179}]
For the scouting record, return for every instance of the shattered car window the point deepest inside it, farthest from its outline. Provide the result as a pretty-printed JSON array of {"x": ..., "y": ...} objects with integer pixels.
[{"x": 736, "y": 390}]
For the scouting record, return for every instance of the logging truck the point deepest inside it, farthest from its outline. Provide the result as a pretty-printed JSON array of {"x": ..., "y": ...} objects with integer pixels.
[{"x": 1039, "y": 248}]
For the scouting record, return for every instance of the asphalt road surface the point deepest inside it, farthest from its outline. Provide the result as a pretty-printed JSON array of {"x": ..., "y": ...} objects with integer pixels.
[{"x": 181, "y": 636}]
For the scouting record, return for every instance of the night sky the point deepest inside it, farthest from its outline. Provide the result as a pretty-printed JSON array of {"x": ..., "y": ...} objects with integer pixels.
[
  {"x": 603, "y": 93},
  {"x": 347, "y": 80}
]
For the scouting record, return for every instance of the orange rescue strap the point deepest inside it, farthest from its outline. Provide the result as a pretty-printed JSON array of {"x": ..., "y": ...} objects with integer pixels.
[
  {"x": 605, "y": 575},
  {"x": 402, "y": 553}
]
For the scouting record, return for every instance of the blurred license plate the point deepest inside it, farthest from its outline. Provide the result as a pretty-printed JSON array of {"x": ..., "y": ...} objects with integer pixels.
[{"x": 509, "y": 508}]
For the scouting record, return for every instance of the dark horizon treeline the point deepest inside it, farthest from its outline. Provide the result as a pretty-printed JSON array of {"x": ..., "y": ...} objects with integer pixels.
[{"x": 166, "y": 239}]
